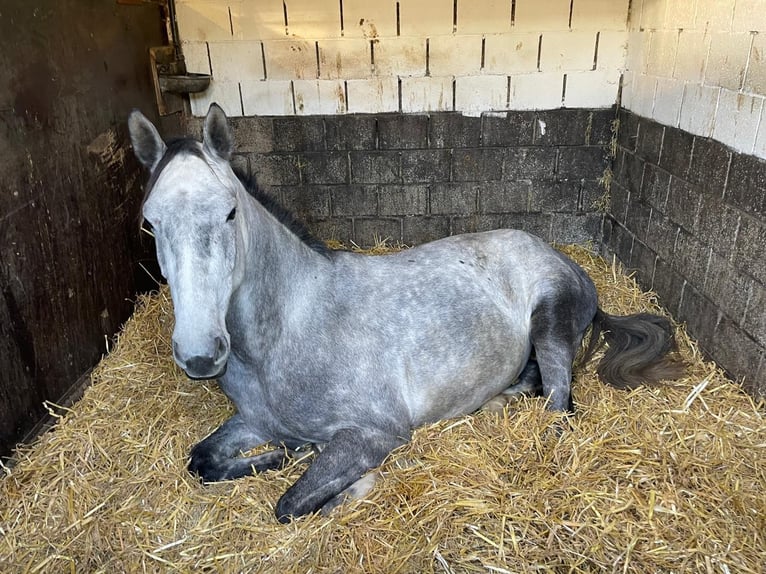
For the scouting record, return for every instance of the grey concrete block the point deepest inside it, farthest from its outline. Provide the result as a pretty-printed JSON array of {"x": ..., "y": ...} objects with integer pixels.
[
  {"x": 324, "y": 167},
  {"x": 655, "y": 187},
  {"x": 453, "y": 198},
  {"x": 709, "y": 166},
  {"x": 581, "y": 228},
  {"x": 691, "y": 257},
  {"x": 754, "y": 322},
  {"x": 554, "y": 196},
  {"x": 509, "y": 130},
  {"x": 529, "y": 163},
  {"x": 683, "y": 204},
  {"x": 627, "y": 135},
  {"x": 661, "y": 235},
  {"x": 252, "y": 134},
  {"x": 354, "y": 200},
  {"x": 409, "y": 200},
  {"x": 402, "y": 131},
  {"x": 504, "y": 197},
  {"x": 419, "y": 230},
  {"x": 562, "y": 127},
  {"x": 299, "y": 133},
  {"x": 601, "y": 126},
  {"x": 677, "y": 152},
  {"x": 477, "y": 164},
  {"x": 307, "y": 202},
  {"x": 717, "y": 225},
  {"x": 728, "y": 287},
  {"x": 453, "y": 130},
  {"x": 426, "y": 166},
  {"x": 637, "y": 219},
  {"x": 746, "y": 185},
  {"x": 668, "y": 284},
  {"x": 375, "y": 166},
  {"x": 351, "y": 132},
  {"x": 337, "y": 228},
  {"x": 749, "y": 252},
  {"x": 275, "y": 169},
  {"x": 700, "y": 315},
  {"x": 649, "y": 142},
  {"x": 737, "y": 353},
  {"x": 582, "y": 162}
]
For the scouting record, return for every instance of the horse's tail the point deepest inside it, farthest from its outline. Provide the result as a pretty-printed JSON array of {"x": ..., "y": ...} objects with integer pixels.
[{"x": 639, "y": 349}]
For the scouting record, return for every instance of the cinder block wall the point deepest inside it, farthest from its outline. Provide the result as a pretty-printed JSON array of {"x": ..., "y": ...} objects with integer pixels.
[
  {"x": 418, "y": 177},
  {"x": 688, "y": 208}
]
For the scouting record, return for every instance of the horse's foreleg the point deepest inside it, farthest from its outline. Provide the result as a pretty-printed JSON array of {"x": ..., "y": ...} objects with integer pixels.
[
  {"x": 346, "y": 457},
  {"x": 217, "y": 457}
]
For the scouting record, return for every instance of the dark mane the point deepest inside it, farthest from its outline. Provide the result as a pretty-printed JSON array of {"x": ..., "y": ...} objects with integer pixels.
[{"x": 282, "y": 214}]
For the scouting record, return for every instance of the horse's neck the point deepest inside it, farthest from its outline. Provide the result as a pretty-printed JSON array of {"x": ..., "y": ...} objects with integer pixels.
[{"x": 278, "y": 267}]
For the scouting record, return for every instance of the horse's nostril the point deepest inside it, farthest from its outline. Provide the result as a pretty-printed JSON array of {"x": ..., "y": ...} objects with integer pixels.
[{"x": 220, "y": 347}]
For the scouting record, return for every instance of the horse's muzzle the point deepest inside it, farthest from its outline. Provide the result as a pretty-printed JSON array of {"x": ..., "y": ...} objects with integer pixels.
[{"x": 204, "y": 366}]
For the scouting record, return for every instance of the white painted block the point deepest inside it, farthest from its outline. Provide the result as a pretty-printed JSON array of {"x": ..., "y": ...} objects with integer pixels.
[
  {"x": 637, "y": 59},
  {"x": 236, "y": 60},
  {"x": 454, "y": 55},
  {"x": 760, "y": 138},
  {"x": 627, "y": 90},
  {"x": 313, "y": 19},
  {"x": 290, "y": 59},
  {"x": 269, "y": 98},
  {"x": 667, "y": 101},
  {"x": 537, "y": 16},
  {"x": 727, "y": 60},
  {"x": 652, "y": 13},
  {"x": 225, "y": 94},
  {"x": 662, "y": 53},
  {"x": 749, "y": 16},
  {"x": 422, "y": 19},
  {"x": 373, "y": 96},
  {"x": 400, "y": 56},
  {"x": 430, "y": 94},
  {"x": 203, "y": 21},
  {"x": 486, "y": 17},
  {"x": 594, "y": 89},
  {"x": 477, "y": 94},
  {"x": 642, "y": 99},
  {"x": 365, "y": 19},
  {"x": 196, "y": 57},
  {"x": 679, "y": 15},
  {"x": 600, "y": 14},
  {"x": 755, "y": 78},
  {"x": 537, "y": 91},
  {"x": 698, "y": 109},
  {"x": 691, "y": 57},
  {"x": 612, "y": 50},
  {"x": 736, "y": 120},
  {"x": 714, "y": 15},
  {"x": 319, "y": 97},
  {"x": 567, "y": 51},
  {"x": 346, "y": 58},
  {"x": 511, "y": 53},
  {"x": 258, "y": 19}
]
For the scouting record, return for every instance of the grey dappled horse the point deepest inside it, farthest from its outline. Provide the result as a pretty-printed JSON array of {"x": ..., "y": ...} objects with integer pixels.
[{"x": 350, "y": 352}]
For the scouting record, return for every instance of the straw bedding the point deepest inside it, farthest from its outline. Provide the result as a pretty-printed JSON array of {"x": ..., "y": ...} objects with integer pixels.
[{"x": 664, "y": 479}]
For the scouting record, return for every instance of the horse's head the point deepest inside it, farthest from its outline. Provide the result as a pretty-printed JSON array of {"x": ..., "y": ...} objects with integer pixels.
[{"x": 191, "y": 207}]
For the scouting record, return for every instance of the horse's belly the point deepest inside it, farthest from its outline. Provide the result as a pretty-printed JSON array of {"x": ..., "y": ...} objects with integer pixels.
[{"x": 463, "y": 378}]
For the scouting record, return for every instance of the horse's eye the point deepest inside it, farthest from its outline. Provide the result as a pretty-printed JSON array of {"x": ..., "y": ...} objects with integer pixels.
[{"x": 231, "y": 215}]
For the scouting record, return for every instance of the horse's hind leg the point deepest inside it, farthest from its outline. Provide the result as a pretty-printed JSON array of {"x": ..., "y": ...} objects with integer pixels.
[
  {"x": 346, "y": 457},
  {"x": 528, "y": 383},
  {"x": 557, "y": 329},
  {"x": 217, "y": 457}
]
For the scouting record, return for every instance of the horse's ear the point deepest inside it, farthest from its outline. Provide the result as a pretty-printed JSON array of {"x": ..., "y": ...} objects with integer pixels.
[
  {"x": 216, "y": 136},
  {"x": 147, "y": 143}
]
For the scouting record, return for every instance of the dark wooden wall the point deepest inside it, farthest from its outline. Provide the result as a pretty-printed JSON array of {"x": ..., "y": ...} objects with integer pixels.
[{"x": 69, "y": 248}]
